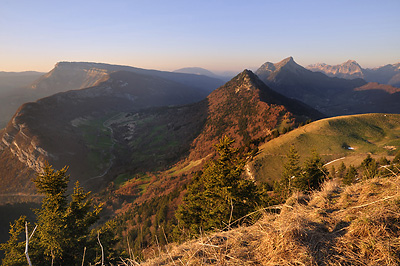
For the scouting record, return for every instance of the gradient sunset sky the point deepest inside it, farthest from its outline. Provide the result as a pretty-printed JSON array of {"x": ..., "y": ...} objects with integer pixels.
[{"x": 217, "y": 35}]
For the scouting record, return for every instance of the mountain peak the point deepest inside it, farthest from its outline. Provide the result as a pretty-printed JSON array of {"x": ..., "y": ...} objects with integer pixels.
[
  {"x": 351, "y": 63},
  {"x": 288, "y": 59},
  {"x": 286, "y": 62},
  {"x": 246, "y": 80},
  {"x": 268, "y": 69}
]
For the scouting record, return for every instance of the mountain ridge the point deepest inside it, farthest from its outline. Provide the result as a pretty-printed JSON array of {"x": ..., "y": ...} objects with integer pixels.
[{"x": 387, "y": 74}]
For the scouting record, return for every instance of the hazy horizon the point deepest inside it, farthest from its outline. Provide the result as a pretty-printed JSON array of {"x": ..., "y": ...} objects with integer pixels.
[{"x": 215, "y": 35}]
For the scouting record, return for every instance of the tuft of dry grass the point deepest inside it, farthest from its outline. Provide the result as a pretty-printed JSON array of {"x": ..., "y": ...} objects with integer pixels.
[{"x": 354, "y": 225}]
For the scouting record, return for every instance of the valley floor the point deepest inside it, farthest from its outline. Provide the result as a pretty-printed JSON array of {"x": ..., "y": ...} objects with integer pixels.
[{"x": 339, "y": 225}]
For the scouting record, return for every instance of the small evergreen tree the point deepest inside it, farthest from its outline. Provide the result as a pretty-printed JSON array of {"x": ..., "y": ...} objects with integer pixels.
[
  {"x": 350, "y": 176},
  {"x": 313, "y": 174},
  {"x": 370, "y": 167},
  {"x": 333, "y": 172},
  {"x": 50, "y": 218},
  {"x": 62, "y": 228},
  {"x": 291, "y": 172},
  {"x": 15, "y": 246},
  {"x": 341, "y": 171},
  {"x": 219, "y": 194}
]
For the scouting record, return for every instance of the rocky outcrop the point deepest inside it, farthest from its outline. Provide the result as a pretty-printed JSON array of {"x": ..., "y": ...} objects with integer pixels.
[{"x": 17, "y": 139}]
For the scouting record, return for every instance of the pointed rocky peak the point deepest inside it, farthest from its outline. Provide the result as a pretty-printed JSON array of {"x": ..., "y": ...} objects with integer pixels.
[
  {"x": 351, "y": 63},
  {"x": 348, "y": 69},
  {"x": 270, "y": 70},
  {"x": 285, "y": 61},
  {"x": 244, "y": 81},
  {"x": 267, "y": 67},
  {"x": 288, "y": 63}
]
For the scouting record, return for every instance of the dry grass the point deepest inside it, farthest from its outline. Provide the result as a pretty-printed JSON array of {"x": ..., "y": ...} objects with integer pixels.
[{"x": 355, "y": 225}]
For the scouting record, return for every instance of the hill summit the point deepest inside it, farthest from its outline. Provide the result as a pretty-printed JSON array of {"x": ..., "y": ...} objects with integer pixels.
[{"x": 246, "y": 109}]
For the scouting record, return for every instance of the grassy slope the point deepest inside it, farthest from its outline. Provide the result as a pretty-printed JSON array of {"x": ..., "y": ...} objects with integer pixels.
[
  {"x": 354, "y": 225},
  {"x": 377, "y": 134}
]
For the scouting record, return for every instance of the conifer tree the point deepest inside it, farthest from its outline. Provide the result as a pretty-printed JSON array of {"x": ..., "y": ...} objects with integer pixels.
[
  {"x": 63, "y": 229},
  {"x": 370, "y": 167},
  {"x": 50, "y": 218},
  {"x": 219, "y": 194},
  {"x": 341, "y": 171},
  {"x": 15, "y": 246},
  {"x": 291, "y": 172},
  {"x": 313, "y": 174},
  {"x": 350, "y": 175}
]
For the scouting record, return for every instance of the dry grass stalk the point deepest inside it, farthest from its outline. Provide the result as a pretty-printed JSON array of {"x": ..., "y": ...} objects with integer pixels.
[{"x": 354, "y": 225}]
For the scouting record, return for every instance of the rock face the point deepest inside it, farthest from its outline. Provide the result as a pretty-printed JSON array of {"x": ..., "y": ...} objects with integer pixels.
[
  {"x": 388, "y": 74},
  {"x": 70, "y": 76}
]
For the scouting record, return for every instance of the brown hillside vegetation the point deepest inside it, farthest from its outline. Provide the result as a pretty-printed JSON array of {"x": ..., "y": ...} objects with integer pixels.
[
  {"x": 246, "y": 110},
  {"x": 353, "y": 225}
]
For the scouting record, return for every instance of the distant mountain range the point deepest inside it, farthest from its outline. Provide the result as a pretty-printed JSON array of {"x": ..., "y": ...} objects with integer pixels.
[
  {"x": 14, "y": 92},
  {"x": 330, "y": 95},
  {"x": 226, "y": 76},
  {"x": 388, "y": 74},
  {"x": 31, "y": 86},
  {"x": 17, "y": 80}
]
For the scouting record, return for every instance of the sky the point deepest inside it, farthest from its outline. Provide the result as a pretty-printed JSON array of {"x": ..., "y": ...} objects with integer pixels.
[{"x": 218, "y": 35}]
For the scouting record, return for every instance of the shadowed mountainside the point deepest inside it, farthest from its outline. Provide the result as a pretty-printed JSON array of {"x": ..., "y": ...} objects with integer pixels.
[
  {"x": 330, "y": 95},
  {"x": 70, "y": 128}
]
